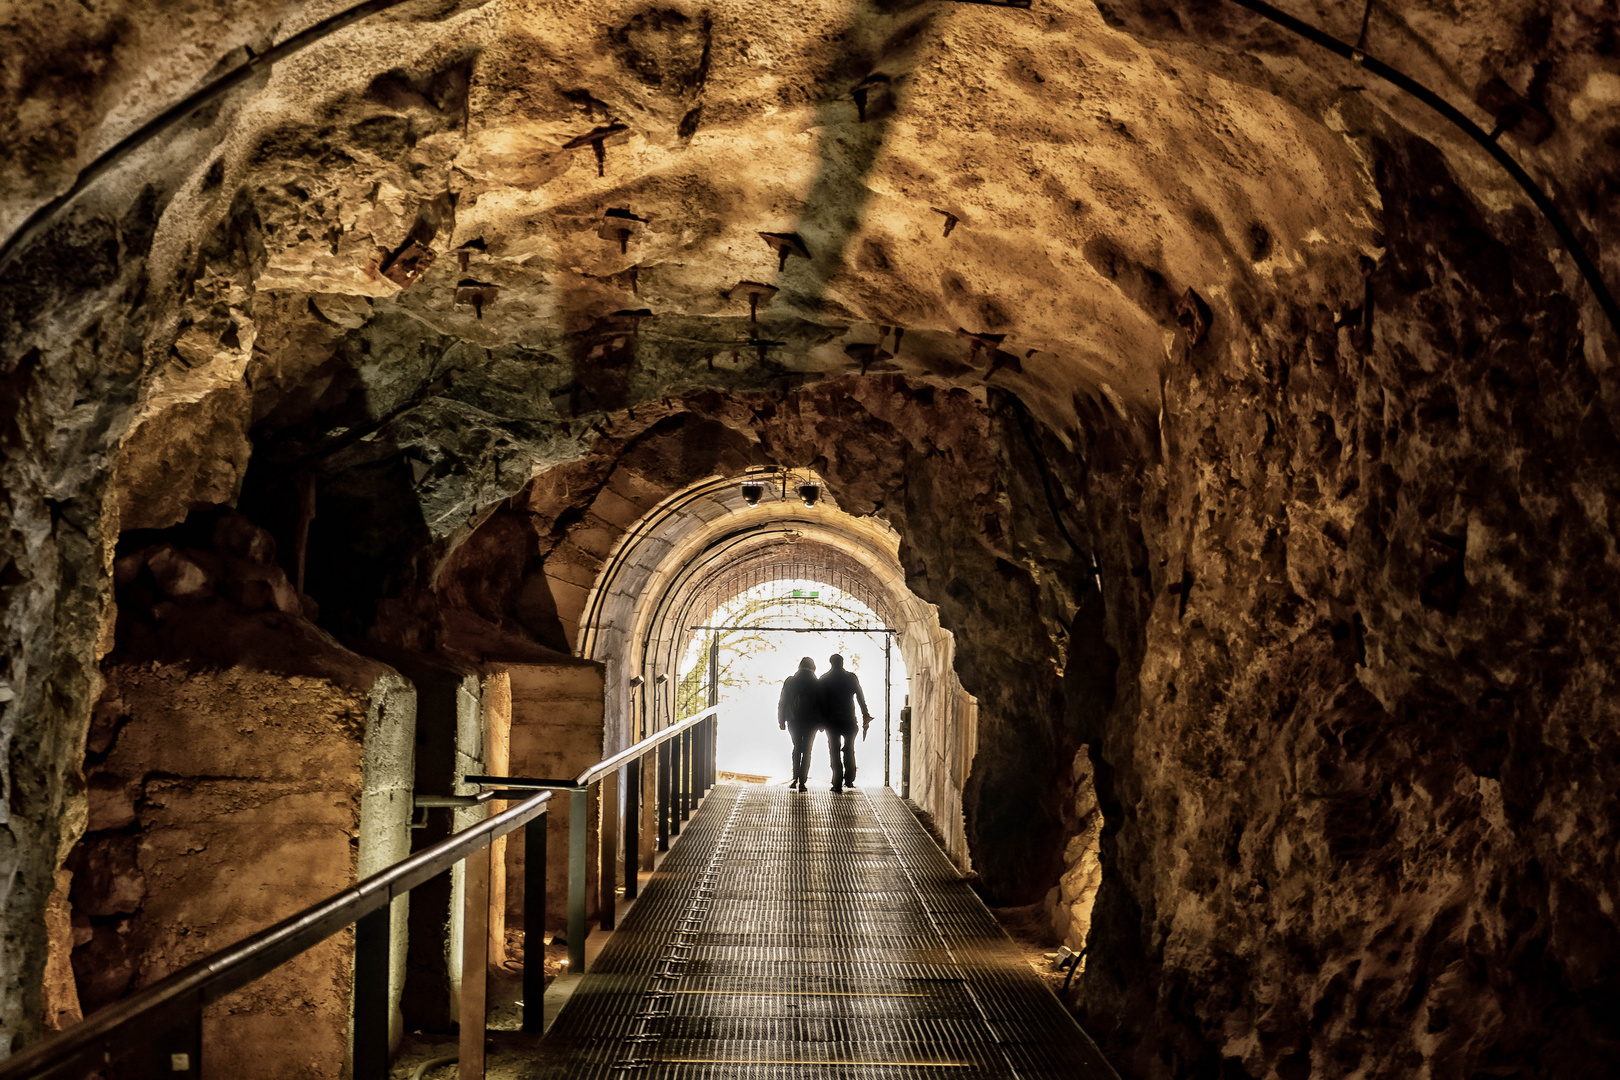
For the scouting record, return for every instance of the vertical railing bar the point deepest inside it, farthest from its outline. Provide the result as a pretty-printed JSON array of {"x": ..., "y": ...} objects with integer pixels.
[
  {"x": 632, "y": 829},
  {"x": 688, "y": 773},
  {"x": 177, "y": 1054},
  {"x": 608, "y": 845},
  {"x": 371, "y": 1011},
  {"x": 578, "y": 818},
  {"x": 675, "y": 772},
  {"x": 663, "y": 796},
  {"x": 474, "y": 1010},
  {"x": 534, "y": 923},
  {"x": 905, "y": 749},
  {"x": 711, "y": 726},
  {"x": 888, "y": 698}
]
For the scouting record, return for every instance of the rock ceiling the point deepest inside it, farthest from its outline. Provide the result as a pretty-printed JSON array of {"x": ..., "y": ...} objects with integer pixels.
[
  {"x": 1363, "y": 526},
  {"x": 1033, "y": 175},
  {"x": 581, "y": 207}
]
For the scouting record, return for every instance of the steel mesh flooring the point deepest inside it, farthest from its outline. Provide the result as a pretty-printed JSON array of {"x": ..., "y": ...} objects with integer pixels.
[{"x": 790, "y": 936}]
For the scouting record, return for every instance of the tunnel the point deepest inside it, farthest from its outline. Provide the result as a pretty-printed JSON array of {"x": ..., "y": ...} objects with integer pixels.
[{"x": 1212, "y": 404}]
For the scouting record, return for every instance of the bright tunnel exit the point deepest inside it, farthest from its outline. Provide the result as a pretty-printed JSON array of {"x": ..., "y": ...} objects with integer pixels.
[{"x": 761, "y": 634}]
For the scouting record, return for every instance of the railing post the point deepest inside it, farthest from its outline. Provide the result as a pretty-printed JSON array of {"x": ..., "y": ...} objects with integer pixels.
[
  {"x": 690, "y": 759},
  {"x": 689, "y": 737},
  {"x": 888, "y": 697},
  {"x": 677, "y": 777},
  {"x": 905, "y": 749},
  {"x": 534, "y": 923},
  {"x": 578, "y": 815},
  {"x": 632, "y": 828},
  {"x": 683, "y": 766},
  {"x": 695, "y": 766},
  {"x": 608, "y": 875},
  {"x": 663, "y": 796},
  {"x": 706, "y": 779},
  {"x": 371, "y": 947},
  {"x": 475, "y": 964},
  {"x": 709, "y": 727},
  {"x": 699, "y": 755},
  {"x": 714, "y": 750},
  {"x": 709, "y": 733}
]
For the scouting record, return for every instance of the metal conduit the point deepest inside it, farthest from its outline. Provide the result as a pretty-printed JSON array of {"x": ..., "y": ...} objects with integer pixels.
[
  {"x": 37, "y": 222},
  {"x": 1412, "y": 87}
]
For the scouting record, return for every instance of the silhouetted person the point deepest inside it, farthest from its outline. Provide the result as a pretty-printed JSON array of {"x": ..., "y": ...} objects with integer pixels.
[
  {"x": 840, "y": 690},
  {"x": 798, "y": 710}
]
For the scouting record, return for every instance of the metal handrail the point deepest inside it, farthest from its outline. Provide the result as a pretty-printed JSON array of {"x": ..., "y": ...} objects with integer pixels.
[
  {"x": 176, "y": 1001},
  {"x": 601, "y": 768},
  {"x": 678, "y": 790},
  {"x": 651, "y": 742},
  {"x": 89, "y": 1044}
]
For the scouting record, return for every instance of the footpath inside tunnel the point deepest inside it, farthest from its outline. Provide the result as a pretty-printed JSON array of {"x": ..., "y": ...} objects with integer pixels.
[
  {"x": 1218, "y": 400},
  {"x": 797, "y": 935}
]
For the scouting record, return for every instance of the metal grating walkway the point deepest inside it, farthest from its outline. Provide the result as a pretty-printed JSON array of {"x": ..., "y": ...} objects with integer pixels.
[{"x": 791, "y": 936}]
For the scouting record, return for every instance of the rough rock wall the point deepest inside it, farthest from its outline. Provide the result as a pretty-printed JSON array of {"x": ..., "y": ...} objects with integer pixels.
[
  {"x": 242, "y": 765},
  {"x": 53, "y": 582},
  {"x": 1367, "y": 788},
  {"x": 944, "y": 734},
  {"x": 1150, "y": 164},
  {"x": 220, "y": 802}
]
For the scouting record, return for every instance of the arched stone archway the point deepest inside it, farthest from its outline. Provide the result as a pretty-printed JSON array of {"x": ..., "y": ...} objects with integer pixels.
[
  {"x": 1301, "y": 544},
  {"x": 697, "y": 549}
]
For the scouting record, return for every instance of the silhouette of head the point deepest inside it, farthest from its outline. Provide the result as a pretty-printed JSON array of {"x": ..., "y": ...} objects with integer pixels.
[
  {"x": 807, "y": 664},
  {"x": 836, "y": 662}
]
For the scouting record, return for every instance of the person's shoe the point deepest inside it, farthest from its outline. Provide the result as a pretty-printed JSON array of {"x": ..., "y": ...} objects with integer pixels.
[{"x": 837, "y": 790}]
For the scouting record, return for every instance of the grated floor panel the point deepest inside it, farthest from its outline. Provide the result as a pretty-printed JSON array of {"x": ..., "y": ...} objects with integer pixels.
[{"x": 793, "y": 936}]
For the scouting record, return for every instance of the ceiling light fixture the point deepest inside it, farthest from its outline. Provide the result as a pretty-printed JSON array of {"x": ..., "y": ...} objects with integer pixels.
[
  {"x": 752, "y": 493},
  {"x": 810, "y": 493}
]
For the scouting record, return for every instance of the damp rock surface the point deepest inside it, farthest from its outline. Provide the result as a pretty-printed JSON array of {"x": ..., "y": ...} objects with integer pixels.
[{"x": 1284, "y": 603}]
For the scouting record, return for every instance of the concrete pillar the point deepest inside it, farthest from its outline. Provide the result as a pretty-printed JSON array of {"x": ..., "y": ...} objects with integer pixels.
[{"x": 449, "y": 745}]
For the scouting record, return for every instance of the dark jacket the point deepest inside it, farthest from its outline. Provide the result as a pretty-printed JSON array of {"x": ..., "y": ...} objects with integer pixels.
[
  {"x": 840, "y": 689},
  {"x": 800, "y": 702}
]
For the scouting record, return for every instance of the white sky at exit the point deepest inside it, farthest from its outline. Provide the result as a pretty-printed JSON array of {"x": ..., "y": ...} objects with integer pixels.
[{"x": 754, "y": 663}]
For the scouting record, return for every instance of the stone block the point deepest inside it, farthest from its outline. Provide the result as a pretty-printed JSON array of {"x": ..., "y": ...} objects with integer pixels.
[
  {"x": 557, "y": 731},
  {"x": 261, "y": 793}
]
